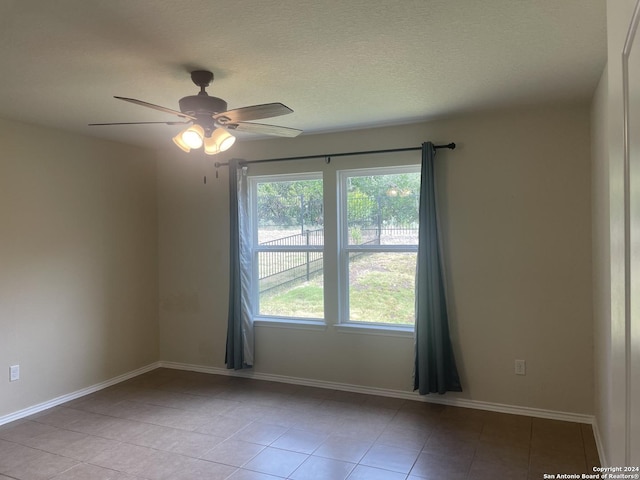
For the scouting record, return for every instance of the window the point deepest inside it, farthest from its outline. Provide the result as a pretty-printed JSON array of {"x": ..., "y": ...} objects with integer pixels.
[
  {"x": 359, "y": 271},
  {"x": 287, "y": 221},
  {"x": 378, "y": 245}
]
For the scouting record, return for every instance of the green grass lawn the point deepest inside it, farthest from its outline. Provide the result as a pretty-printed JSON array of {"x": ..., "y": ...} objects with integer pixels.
[
  {"x": 382, "y": 290},
  {"x": 304, "y": 301}
]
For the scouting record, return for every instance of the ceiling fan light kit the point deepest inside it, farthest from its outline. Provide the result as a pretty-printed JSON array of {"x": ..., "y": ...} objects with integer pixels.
[
  {"x": 223, "y": 139},
  {"x": 210, "y": 121},
  {"x": 210, "y": 146},
  {"x": 180, "y": 143},
  {"x": 190, "y": 138},
  {"x": 193, "y": 136}
]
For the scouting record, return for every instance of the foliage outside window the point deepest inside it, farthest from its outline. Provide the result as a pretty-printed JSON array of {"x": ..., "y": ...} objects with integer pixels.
[
  {"x": 377, "y": 225},
  {"x": 288, "y": 246},
  {"x": 378, "y": 245}
]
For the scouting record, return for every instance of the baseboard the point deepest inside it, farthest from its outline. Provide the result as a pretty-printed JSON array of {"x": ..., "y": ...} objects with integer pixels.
[
  {"x": 77, "y": 394},
  {"x": 451, "y": 401},
  {"x": 444, "y": 400},
  {"x": 599, "y": 444}
]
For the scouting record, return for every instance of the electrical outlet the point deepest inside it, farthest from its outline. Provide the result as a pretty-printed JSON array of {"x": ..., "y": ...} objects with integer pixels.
[
  {"x": 14, "y": 373},
  {"x": 521, "y": 368}
]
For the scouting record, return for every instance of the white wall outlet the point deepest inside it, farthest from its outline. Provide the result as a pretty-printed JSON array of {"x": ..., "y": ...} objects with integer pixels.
[
  {"x": 521, "y": 368},
  {"x": 14, "y": 373}
]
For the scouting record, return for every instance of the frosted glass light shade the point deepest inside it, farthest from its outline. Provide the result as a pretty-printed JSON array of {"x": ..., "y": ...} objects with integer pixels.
[
  {"x": 223, "y": 139},
  {"x": 210, "y": 146},
  {"x": 193, "y": 136},
  {"x": 180, "y": 143}
]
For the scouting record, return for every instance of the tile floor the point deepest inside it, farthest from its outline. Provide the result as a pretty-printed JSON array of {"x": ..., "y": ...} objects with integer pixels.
[{"x": 176, "y": 425}]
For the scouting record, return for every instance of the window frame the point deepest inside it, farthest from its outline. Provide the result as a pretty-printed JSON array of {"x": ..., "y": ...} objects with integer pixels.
[
  {"x": 345, "y": 249},
  {"x": 256, "y": 249},
  {"x": 334, "y": 266}
]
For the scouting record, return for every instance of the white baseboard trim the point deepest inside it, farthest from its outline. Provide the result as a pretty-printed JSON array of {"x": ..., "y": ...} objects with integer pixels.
[
  {"x": 77, "y": 394},
  {"x": 440, "y": 399},
  {"x": 599, "y": 444},
  {"x": 451, "y": 401}
]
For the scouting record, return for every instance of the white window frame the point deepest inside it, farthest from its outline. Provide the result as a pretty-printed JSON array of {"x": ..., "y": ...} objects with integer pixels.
[
  {"x": 256, "y": 249},
  {"x": 344, "y": 249}
]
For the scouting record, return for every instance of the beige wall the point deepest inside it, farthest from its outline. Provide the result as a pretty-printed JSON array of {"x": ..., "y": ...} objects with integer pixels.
[
  {"x": 78, "y": 262},
  {"x": 83, "y": 255},
  {"x": 515, "y": 199}
]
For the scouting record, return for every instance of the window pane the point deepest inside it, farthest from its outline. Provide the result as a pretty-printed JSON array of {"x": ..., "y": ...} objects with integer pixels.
[
  {"x": 383, "y": 209},
  {"x": 382, "y": 287},
  {"x": 290, "y": 213},
  {"x": 291, "y": 284}
]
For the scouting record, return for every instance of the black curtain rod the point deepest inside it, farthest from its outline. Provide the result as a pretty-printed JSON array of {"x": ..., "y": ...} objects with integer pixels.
[{"x": 328, "y": 156}]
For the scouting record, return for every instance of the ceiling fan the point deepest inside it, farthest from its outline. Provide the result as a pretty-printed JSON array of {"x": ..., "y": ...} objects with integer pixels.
[{"x": 209, "y": 120}]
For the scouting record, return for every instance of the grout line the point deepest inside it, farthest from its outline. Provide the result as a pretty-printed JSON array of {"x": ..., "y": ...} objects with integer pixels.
[
  {"x": 475, "y": 453},
  {"x": 386, "y": 424}
]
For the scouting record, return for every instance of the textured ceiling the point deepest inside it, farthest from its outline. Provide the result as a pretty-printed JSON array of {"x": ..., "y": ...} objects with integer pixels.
[{"x": 337, "y": 63}]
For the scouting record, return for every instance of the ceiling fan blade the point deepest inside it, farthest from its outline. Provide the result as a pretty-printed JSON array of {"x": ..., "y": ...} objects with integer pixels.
[
  {"x": 156, "y": 107},
  {"x": 253, "y": 112},
  {"x": 263, "y": 129},
  {"x": 137, "y": 123}
]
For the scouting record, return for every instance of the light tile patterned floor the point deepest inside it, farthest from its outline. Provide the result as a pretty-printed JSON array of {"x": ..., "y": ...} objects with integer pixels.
[{"x": 176, "y": 425}]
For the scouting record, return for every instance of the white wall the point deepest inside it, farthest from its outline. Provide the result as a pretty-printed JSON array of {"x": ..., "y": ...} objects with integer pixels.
[
  {"x": 515, "y": 198},
  {"x": 78, "y": 262},
  {"x": 601, "y": 258},
  {"x": 608, "y": 254}
]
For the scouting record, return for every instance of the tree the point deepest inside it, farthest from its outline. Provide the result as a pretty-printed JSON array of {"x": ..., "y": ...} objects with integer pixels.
[
  {"x": 376, "y": 200},
  {"x": 290, "y": 203},
  {"x": 395, "y": 196}
]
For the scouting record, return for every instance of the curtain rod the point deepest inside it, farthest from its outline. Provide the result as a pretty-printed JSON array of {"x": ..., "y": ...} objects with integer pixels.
[{"x": 327, "y": 156}]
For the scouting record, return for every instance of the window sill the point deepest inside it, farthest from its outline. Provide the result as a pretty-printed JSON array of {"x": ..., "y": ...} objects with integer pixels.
[
  {"x": 373, "y": 329},
  {"x": 296, "y": 324}
]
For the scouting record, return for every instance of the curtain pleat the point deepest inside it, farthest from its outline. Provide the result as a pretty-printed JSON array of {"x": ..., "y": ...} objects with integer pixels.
[
  {"x": 435, "y": 365},
  {"x": 239, "y": 352}
]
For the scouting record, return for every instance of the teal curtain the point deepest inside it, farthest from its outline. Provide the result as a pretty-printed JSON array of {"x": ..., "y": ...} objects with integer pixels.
[
  {"x": 435, "y": 365},
  {"x": 239, "y": 352}
]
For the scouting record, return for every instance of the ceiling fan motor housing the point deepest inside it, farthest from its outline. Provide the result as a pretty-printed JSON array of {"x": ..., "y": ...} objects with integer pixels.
[
  {"x": 203, "y": 107},
  {"x": 200, "y": 105}
]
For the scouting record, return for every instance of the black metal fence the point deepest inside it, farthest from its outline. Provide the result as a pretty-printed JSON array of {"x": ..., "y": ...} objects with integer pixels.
[
  {"x": 281, "y": 270},
  {"x": 371, "y": 220}
]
